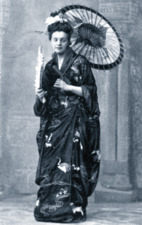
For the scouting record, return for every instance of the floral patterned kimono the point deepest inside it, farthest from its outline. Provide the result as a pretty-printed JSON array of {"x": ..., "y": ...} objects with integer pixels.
[{"x": 68, "y": 139}]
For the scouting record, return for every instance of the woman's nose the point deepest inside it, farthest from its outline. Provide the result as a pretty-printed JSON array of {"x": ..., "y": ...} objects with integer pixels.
[{"x": 59, "y": 42}]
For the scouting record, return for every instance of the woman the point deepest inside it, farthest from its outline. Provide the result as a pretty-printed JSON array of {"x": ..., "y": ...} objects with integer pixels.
[{"x": 68, "y": 139}]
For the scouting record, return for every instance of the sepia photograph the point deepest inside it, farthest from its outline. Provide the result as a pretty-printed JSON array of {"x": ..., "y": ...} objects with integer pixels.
[{"x": 70, "y": 112}]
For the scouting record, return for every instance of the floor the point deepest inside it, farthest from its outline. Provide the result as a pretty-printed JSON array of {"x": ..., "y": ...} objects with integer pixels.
[{"x": 18, "y": 210}]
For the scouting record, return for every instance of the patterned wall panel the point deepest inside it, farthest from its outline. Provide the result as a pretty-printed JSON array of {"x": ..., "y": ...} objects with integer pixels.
[
  {"x": 4, "y": 19},
  {"x": 136, "y": 82}
]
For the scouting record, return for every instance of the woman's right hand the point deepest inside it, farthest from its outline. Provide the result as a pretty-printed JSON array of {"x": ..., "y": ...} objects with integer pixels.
[{"x": 41, "y": 94}]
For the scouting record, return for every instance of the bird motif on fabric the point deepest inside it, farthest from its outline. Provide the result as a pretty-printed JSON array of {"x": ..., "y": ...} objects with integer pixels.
[{"x": 64, "y": 166}]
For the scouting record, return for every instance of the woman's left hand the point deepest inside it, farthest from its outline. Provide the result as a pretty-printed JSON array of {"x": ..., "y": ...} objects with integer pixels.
[
  {"x": 67, "y": 87},
  {"x": 62, "y": 85}
]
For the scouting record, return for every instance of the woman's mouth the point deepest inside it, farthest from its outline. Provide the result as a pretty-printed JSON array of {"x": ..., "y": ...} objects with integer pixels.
[{"x": 59, "y": 47}]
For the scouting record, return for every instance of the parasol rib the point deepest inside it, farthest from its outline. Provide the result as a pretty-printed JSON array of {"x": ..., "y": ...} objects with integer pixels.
[
  {"x": 78, "y": 47},
  {"x": 111, "y": 39},
  {"x": 104, "y": 58},
  {"x": 112, "y": 54},
  {"x": 110, "y": 25},
  {"x": 78, "y": 13},
  {"x": 91, "y": 17},
  {"x": 90, "y": 54},
  {"x": 103, "y": 52},
  {"x": 117, "y": 45},
  {"x": 101, "y": 58},
  {"x": 83, "y": 15},
  {"x": 90, "y": 33},
  {"x": 69, "y": 14},
  {"x": 97, "y": 58},
  {"x": 96, "y": 19},
  {"x": 107, "y": 45},
  {"x": 87, "y": 31},
  {"x": 109, "y": 32},
  {"x": 86, "y": 11},
  {"x": 99, "y": 22},
  {"x": 93, "y": 58},
  {"x": 72, "y": 13},
  {"x": 112, "y": 42},
  {"x": 114, "y": 46},
  {"x": 110, "y": 58},
  {"x": 87, "y": 15},
  {"x": 86, "y": 51},
  {"x": 70, "y": 17}
]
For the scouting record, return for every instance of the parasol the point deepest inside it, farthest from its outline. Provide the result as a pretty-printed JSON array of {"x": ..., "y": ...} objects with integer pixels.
[{"x": 94, "y": 37}]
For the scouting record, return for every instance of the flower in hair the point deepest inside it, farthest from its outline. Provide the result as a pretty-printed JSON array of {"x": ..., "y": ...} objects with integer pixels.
[{"x": 58, "y": 18}]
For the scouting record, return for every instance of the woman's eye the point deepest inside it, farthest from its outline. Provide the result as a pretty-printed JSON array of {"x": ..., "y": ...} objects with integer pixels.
[{"x": 55, "y": 39}]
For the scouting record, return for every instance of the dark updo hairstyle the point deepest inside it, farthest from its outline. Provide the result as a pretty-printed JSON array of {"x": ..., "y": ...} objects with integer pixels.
[{"x": 58, "y": 26}]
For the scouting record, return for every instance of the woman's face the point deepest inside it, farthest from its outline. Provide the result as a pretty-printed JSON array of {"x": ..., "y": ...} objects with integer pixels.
[{"x": 59, "y": 42}]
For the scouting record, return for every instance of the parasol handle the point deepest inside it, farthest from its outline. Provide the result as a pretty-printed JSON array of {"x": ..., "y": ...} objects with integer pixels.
[
  {"x": 61, "y": 75},
  {"x": 58, "y": 71}
]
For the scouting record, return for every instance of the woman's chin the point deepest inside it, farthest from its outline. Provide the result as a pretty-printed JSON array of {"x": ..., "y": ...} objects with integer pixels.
[{"x": 60, "y": 52}]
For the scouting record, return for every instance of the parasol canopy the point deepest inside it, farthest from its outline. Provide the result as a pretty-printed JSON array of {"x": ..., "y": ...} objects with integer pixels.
[{"x": 94, "y": 37}]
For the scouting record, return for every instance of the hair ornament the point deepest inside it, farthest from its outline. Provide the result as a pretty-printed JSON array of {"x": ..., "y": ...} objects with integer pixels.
[{"x": 58, "y": 18}]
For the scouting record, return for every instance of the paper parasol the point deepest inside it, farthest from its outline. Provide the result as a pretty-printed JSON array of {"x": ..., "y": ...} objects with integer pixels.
[{"x": 94, "y": 37}]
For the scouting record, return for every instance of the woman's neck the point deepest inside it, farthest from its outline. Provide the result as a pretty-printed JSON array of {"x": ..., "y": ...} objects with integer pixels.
[{"x": 60, "y": 60}]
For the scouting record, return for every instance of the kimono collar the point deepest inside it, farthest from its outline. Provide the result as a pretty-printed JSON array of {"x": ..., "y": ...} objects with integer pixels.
[{"x": 69, "y": 55}]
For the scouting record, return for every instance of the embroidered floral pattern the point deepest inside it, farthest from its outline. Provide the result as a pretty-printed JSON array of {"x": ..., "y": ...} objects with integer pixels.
[
  {"x": 63, "y": 193},
  {"x": 64, "y": 101},
  {"x": 48, "y": 140},
  {"x": 75, "y": 168},
  {"x": 46, "y": 208}
]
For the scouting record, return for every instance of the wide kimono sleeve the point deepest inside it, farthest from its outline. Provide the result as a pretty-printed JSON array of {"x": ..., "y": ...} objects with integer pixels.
[
  {"x": 40, "y": 108},
  {"x": 89, "y": 88},
  {"x": 89, "y": 91},
  {"x": 48, "y": 79}
]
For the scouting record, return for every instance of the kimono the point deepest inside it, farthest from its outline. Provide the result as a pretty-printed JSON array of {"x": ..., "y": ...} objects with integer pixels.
[{"x": 68, "y": 139}]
